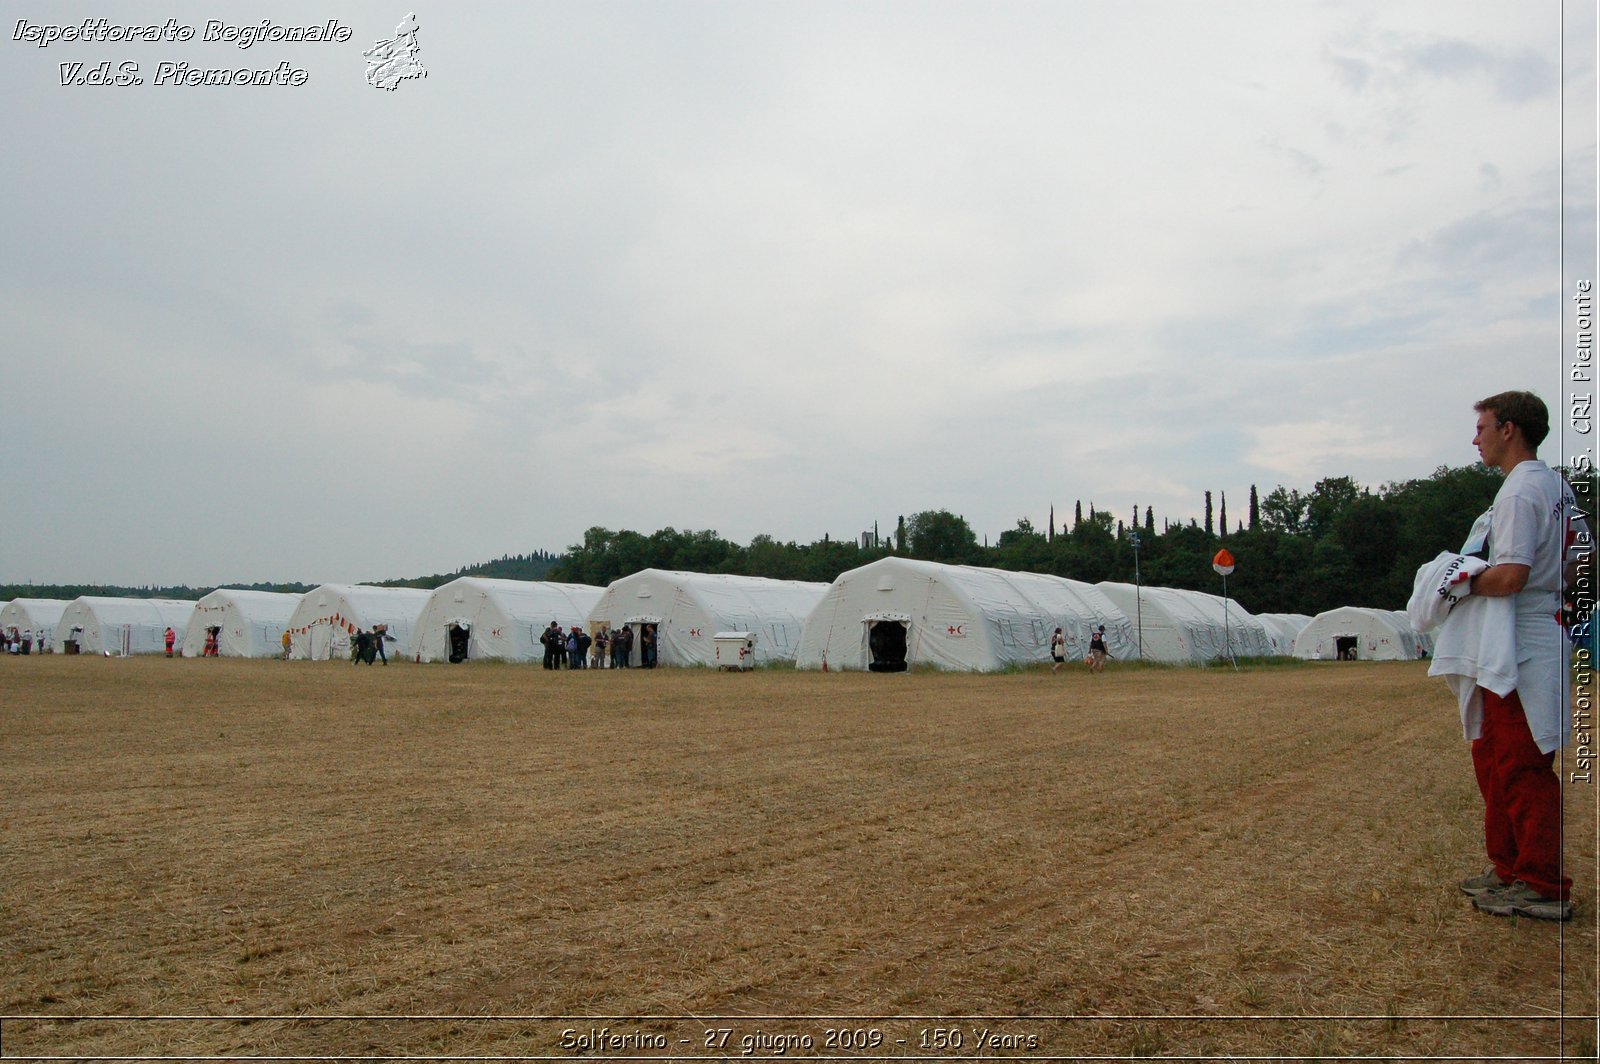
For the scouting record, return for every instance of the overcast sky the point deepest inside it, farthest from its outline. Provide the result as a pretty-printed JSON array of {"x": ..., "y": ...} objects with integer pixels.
[{"x": 760, "y": 266}]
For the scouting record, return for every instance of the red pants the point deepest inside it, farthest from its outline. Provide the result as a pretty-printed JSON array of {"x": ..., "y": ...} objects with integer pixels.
[{"x": 1521, "y": 798}]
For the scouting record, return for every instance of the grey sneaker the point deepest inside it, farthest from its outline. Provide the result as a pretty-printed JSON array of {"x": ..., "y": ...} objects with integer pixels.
[
  {"x": 1519, "y": 899},
  {"x": 1489, "y": 880}
]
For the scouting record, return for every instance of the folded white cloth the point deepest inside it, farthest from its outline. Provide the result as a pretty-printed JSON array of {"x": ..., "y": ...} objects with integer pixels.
[
  {"x": 1439, "y": 586},
  {"x": 1499, "y": 643}
]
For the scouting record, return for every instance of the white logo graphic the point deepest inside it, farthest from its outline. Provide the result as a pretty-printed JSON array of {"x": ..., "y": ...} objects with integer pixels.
[{"x": 393, "y": 61}]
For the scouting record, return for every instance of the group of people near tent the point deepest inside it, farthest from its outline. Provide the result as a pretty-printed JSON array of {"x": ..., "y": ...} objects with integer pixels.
[
  {"x": 15, "y": 640},
  {"x": 574, "y": 648},
  {"x": 367, "y": 646}
]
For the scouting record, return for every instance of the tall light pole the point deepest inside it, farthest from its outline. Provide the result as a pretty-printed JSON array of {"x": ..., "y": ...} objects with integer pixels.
[{"x": 1138, "y": 602}]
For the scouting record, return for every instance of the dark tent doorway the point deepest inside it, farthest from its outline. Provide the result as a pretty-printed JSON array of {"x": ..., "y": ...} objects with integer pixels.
[
  {"x": 460, "y": 637},
  {"x": 886, "y": 646}
]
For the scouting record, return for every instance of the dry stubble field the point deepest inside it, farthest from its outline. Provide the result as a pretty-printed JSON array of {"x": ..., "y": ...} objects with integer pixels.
[{"x": 297, "y": 859}]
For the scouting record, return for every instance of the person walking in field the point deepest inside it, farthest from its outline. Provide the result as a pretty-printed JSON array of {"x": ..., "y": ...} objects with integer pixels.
[
  {"x": 1097, "y": 650},
  {"x": 1534, "y": 539},
  {"x": 286, "y": 641},
  {"x": 169, "y": 637},
  {"x": 1058, "y": 650}
]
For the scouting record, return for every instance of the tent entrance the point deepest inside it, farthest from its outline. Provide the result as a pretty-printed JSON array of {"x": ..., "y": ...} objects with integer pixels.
[
  {"x": 649, "y": 649},
  {"x": 459, "y": 638},
  {"x": 1344, "y": 647},
  {"x": 646, "y": 647},
  {"x": 886, "y": 646}
]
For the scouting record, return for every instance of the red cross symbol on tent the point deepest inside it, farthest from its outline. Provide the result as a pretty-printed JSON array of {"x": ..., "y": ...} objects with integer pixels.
[{"x": 694, "y": 633}]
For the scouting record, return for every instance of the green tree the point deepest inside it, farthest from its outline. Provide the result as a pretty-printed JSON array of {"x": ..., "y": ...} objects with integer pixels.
[
  {"x": 941, "y": 536},
  {"x": 1329, "y": 498},
  {"x": 1022, "y": 549},
  {"x": 1284, "y": 510}
]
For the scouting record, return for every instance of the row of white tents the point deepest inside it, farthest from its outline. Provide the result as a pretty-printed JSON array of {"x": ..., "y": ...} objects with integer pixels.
[{"x": 885, "y": 616}]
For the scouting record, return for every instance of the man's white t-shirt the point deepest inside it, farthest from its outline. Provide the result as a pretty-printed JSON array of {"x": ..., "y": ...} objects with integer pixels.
[{"x": 1535, "y": 521}]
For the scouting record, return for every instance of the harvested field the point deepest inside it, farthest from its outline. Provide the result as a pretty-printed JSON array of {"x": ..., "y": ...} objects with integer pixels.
[{"x": 289, "y": 858}]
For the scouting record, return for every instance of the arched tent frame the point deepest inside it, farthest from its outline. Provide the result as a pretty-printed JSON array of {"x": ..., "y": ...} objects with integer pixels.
[
  {"x": 1182, "y": 627},
  {"x": 957, "y": 617},
  {"x": 121, "y": 626},
  {"x": 1380, "y": 635},
  {"x": 502, "y": 618},
  {"x": 327, "y": 617},
  {"x": 36, "y": 617},
  {"x": 250, "y": 624},
  {"x": 688, "y": 609}
]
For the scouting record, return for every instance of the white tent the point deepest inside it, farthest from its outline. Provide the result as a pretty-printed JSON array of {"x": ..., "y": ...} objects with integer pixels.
[
  {"x": 248, "y": 624},
  {"x": 1358, "y": 632},
  {"x": 34, "y": 619},
  {"x": 93, "y": 624},
  {"x": 1423, "y": 640},
  {"x": 1177, "y": 626},
  {"x": 689, "y": 609},
  {"x": 474, "y": 617},
  {"x": 327, "y": 617},
  {"x": 1283, "y": 629},
  {"x": 898, "y": 612}
]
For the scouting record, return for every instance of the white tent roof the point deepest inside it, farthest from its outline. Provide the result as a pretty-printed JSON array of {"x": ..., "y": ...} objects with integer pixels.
[
  {"x": 250, "y": 623},
  {"x": 101, "y": 625},
  {"x": 690, "y": 608},
  {"x": 38, "y": 616},
  {"x": 1381, "y": 635},
  {"x": 502, "y": 618},
  {"x": 1180, "y": 626},
  {"x": 958, "y": 616},
  {"x": 1283, "y": 629},
  {"x": 326, "y": 618}
]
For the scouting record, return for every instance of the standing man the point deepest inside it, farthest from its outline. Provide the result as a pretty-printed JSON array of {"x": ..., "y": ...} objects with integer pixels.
[
  {"x": 554, "y": 645},
  {"x": 169, "y": 637},
  {"x": 1530, "y": 537}
]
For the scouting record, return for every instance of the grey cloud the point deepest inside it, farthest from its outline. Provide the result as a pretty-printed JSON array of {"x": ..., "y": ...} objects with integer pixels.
[
  {"x": 1493, "y": 241},
  {"x": 1389, "y": 64}
]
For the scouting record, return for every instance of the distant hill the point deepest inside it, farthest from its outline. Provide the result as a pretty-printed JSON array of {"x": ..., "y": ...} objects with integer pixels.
[
  {"x": 535, "y": 566},
  {"x": 178, "y": 591}
]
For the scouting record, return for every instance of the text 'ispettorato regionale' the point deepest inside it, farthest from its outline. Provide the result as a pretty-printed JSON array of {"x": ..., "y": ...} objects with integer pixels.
[{"x": 213, "y": 31}]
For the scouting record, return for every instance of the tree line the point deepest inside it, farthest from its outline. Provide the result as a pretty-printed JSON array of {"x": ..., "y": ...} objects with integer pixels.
[{"x": 1340, "y": 544}]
